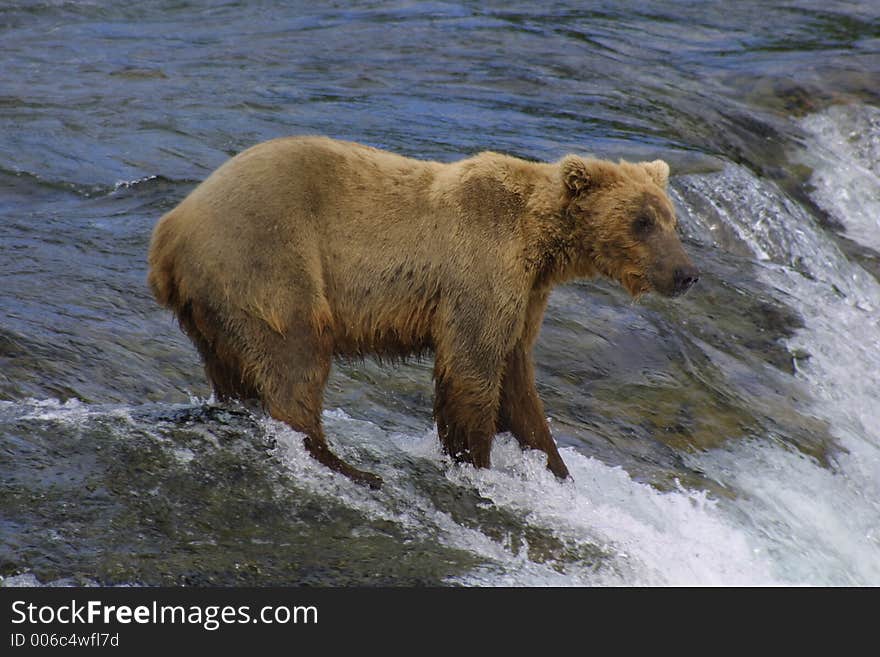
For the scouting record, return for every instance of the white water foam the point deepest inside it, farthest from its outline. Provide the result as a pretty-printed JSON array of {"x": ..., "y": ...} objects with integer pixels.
[
  {"x": 819, "y": 525},
  {"x": 646, "y": 537},
  {"x": 398, "y": 501},
  {"x": 815, "y": 525},
  {"x": 25, "y": 580},
  {"x": 71, "y": 410},
  {"x": 843, "y": 149}
]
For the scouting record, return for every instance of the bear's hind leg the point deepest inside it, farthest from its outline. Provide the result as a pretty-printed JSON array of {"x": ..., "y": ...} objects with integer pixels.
[
  {"x": 294, "y": 368},
  {"x": 247, "y": 359},
  {"x": 222, "y": 363}
]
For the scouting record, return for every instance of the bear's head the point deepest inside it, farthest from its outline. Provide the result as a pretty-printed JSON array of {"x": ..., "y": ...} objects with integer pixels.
[{"x": 624, "y": 225}]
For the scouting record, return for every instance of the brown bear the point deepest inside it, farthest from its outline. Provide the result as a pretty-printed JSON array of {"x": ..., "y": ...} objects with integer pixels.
[{"x": 304, "y": 248}]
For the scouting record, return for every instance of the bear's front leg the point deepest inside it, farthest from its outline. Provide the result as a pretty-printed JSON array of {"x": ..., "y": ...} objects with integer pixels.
[
  {"x": 467, "y": 386},
  {"x": 474, "y": 331},
  {"x": 465, "y": 415},
  {"x": 522, "y": 413}
]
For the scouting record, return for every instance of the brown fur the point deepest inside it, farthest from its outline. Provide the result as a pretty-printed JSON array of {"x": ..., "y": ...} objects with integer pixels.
[{"x": 302, "y": 249}]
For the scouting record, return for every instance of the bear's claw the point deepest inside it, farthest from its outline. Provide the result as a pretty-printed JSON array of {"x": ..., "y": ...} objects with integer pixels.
[{"x": 366, "y": 479}]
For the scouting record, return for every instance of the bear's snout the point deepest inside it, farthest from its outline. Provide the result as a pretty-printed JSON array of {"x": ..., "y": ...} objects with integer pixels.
[{"x": 683, "y": 279}]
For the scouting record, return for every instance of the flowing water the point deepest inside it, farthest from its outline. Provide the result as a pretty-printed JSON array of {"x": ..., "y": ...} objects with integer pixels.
[{"x": 729, "y": 437}]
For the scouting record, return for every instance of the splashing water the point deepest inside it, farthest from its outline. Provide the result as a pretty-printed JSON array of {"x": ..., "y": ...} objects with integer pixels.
[{"x": 843, "y": 148}]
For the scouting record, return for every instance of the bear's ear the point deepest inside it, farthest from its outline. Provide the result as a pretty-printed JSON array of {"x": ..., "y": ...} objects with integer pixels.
[
  {"x": 580, "y": 175},
  {"x": 658, "y": 170}
]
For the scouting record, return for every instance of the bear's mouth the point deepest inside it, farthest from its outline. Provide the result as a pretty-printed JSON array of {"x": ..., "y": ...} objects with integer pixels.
[
  {"x": 664, "y": 288},
  {"x": 676, "y": 285},
  {"x": 636, "y": 284}
]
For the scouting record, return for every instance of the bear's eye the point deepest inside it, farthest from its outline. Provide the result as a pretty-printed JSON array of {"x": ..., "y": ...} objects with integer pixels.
[{"x": 643, "y": 224}]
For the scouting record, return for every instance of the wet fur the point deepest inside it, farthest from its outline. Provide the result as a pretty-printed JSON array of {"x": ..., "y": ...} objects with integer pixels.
[{"x": 300, "y": 250}]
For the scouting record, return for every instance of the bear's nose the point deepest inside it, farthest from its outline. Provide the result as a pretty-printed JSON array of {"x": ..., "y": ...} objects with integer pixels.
[{"x": 683, "y": 278}]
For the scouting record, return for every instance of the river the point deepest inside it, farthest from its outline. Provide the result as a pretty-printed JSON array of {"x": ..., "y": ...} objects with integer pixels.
[{"x": 730, "y": 437}]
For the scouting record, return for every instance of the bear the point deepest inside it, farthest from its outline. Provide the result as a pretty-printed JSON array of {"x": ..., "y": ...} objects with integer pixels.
[{"x": 303, "y": 249}]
